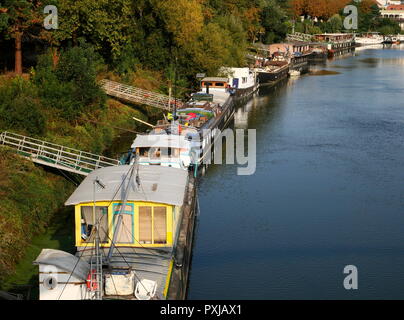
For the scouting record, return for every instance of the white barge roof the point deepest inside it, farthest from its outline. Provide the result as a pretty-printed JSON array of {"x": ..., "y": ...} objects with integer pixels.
[
  {"x": 160, "y": 141},
  {"x": 157, "y": 184},
  {"x": 65, "y": 261},
  {"x": 215, "y": 79}
]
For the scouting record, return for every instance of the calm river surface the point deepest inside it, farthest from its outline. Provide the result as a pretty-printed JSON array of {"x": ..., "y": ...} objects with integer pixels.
[{"x": 328, "y": 190}]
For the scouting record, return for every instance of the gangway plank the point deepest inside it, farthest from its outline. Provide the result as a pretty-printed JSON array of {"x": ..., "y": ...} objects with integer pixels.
[
  {"x": 55, "y": 156},
  {"x": 137, "y": 95}
]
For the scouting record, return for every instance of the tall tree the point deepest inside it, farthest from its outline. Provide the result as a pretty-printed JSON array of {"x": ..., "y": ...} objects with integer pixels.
[{"x": 21, "y": 16}]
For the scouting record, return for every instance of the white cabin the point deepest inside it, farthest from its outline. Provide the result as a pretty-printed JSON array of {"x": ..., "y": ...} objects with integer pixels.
[{"x": 240, "y": 78}]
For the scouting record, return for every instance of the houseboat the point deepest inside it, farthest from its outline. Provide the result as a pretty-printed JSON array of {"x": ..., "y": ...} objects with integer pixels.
[
  {"x": 186, "y": 140},
  {"x": 337, "y": 43},
  {"x": 369, "y": 38},
  {"x": 134, "y": 226},
  {"x": 319, "y": 53},
  {"x": 393, "y": 39},
  {"x": 301, "y": 53},
  {"x": 296, "y": 52},
  {"x": 273, "y": 70},
  {"x": 242, "y": 81}
]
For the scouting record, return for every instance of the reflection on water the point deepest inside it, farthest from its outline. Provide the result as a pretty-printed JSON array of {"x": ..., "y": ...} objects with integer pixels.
[
  {"x": 328, "y": 191},
  {"x": 323, "y": 72}
]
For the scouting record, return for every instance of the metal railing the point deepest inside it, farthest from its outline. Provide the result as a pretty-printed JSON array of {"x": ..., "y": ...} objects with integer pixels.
[
  {"x": 297, "y": 36},
  {"x": 54, "y": 155},
  {"x": 137, "y": 95}
]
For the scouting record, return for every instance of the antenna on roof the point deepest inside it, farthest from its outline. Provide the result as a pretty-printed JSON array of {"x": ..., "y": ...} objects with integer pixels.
[
  {"x": 96, "y": 275},
  {"x": 175, "y": 89},
  {"x": 126, "y": 191}
]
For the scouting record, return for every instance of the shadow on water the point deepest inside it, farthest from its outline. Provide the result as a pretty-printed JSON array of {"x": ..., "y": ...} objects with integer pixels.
[{"x": 323, "y": 73}]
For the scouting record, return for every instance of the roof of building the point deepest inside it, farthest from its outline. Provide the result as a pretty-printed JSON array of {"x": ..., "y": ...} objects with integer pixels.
[
  {"x": 396, "y": 7},
  {"x": 157, "y": 184}
]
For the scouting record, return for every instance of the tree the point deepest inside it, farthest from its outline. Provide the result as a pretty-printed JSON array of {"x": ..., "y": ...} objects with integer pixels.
[
  {"x": 274, "y": 22},
  {"x": 334, "y": 24},
  {"x": 19, "y": 18},
  {"x": 71, "y": 87},
  {"x": 105, "y": 24},
  {"x": 183, "y": 20},
  {"x": 322, "y": 9}
]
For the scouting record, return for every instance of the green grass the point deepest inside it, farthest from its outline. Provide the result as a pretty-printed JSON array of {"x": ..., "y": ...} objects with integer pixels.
[{"x": 59, "y": 236}]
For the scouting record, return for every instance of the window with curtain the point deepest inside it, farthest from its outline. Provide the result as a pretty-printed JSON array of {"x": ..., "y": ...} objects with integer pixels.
[
  {"x": 88, "y": 223},
  {"x": 152, "y": 225},
  {"x": 126, "y": 229}
]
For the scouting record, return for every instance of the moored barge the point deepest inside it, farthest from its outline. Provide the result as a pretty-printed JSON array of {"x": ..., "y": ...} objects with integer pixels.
[
  {"x": 134, "y": 227},
  {"x": 337, "y": 43},
  {"x": 185, "y": 141}
]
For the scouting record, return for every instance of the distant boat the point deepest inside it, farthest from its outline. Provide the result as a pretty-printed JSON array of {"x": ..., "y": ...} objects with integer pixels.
[
  {"x": 393, "y": 39},
  {"x": 369, "y": 38}
]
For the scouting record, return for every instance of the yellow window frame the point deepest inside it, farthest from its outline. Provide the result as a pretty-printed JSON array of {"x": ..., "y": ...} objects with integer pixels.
[{"x": 169, "y": 223}]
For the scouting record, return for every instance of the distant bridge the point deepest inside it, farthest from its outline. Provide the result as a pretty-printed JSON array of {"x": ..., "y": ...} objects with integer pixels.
[
  {"x": 55, "y": 156},
  {"x": 137, "y": 95}
]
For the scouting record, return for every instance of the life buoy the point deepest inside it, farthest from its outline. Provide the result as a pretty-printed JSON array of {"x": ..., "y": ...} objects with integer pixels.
[{"x": 92, "y": 284}]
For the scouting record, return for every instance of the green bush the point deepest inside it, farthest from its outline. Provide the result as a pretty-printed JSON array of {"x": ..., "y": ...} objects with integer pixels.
[
  {"x": 71, "y": 86},
  {"x": 20, "y": 108}
]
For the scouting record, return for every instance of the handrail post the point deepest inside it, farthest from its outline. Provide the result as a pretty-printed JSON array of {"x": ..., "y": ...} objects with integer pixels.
[
  {"x": 98, "y": 162},
  {"x": 20, "y": 144},
  {"x": 41, "y": 148},
  {"x": 59, "y": 155},
  {"x": 78, "y": 159}
]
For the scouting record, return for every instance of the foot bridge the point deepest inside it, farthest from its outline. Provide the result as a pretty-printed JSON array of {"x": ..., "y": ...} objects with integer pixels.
[
  {"x": 137, "y": 95},
  {"x": 297, "y": 36},
  {"x": 55, "y": 156}
]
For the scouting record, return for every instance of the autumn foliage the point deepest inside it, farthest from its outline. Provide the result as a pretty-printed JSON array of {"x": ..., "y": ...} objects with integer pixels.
[{"x": 318, "y": 8}]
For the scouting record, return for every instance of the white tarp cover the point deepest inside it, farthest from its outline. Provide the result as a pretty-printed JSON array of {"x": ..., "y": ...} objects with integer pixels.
[
  {"x": 119, "y": 284},
  {"x": 65, "y": 261}
]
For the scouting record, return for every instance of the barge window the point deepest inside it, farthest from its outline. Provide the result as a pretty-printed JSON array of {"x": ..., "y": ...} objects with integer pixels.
[
  {"x": 160, "y": 225},
  {"x": 87, "y": 223},
  {"x": 170, "y": 152},
  {"x": 153, "y": 225},
  {"x": 143, "y": 152},
  {"x": 145, "y": 225},
  {"x": 126, "y": 229}
]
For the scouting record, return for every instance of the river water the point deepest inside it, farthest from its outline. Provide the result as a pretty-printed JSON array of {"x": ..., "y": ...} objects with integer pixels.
[{"x": 328, "y": 190}]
